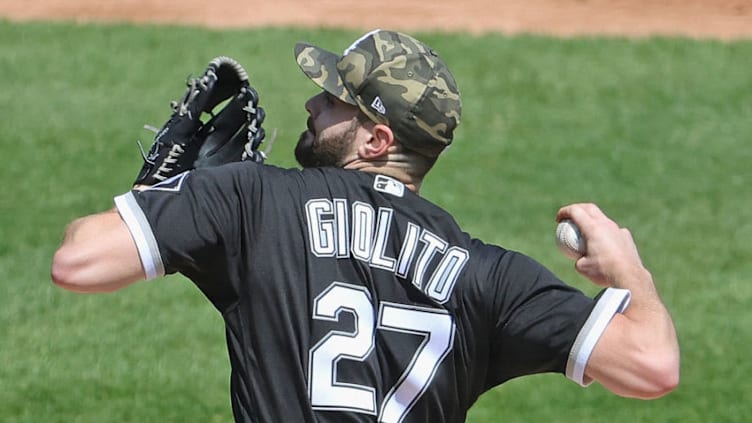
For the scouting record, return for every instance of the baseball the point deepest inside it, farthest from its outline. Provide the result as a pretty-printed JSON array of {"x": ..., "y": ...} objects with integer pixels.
[{"x": 570, "y": 240}]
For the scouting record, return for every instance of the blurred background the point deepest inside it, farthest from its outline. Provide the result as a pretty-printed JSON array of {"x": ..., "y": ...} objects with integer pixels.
[{"x": 644, "y": 107}]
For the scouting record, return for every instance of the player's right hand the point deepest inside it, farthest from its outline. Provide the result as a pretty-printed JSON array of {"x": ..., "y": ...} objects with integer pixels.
[{"x": 612, "y": 258}]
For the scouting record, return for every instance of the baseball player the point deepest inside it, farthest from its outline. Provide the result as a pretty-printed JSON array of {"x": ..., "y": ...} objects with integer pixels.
[{"x": 346, "y": 296}]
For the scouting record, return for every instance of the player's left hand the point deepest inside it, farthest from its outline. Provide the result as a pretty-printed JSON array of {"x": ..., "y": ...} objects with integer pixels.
[{"x": 233, "y": 134}]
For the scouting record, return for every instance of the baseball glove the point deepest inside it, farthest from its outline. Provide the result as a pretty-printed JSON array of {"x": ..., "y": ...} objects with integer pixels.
[{"x": 233, "y": 134}]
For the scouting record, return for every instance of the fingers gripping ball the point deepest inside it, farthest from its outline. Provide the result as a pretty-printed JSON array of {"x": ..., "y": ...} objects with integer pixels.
[
  {"x": 188, "y": 140},
  {"x": 569, "y": 239}
]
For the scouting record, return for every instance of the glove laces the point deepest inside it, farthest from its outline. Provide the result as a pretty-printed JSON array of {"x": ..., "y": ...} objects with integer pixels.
[{"x": 172, "y": 157}]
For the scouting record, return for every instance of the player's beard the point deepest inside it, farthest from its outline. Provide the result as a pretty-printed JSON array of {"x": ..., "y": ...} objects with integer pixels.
[{"x": 325, "y": 149}]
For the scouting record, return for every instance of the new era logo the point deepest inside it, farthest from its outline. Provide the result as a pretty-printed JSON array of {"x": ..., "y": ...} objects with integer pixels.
[
  {"x": 388, "y": 185},
  {"x": 378, "y": 105}
]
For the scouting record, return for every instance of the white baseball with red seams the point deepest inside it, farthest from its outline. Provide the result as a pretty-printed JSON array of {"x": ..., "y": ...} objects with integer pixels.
[{"x": 569, "y": 239}]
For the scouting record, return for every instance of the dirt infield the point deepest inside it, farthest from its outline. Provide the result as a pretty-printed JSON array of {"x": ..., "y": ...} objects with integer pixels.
[{"x": 718, "y": 19}]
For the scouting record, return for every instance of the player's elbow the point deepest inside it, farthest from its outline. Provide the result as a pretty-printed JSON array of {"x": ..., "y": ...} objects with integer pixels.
[
  {"x": 83, "y": 270},
  {"x": 665, "y": 379},
  {"x": 68, "y": 270},
  {"x": 659, "y": 375},
  {"x": 63, "y": 270}
]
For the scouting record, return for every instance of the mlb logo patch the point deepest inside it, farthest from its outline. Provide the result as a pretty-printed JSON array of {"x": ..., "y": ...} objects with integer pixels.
[{"x": 388, "y": 185}]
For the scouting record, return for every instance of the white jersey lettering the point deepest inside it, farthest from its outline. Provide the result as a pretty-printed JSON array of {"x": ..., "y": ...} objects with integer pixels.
[{"x": 364, "y": 234}]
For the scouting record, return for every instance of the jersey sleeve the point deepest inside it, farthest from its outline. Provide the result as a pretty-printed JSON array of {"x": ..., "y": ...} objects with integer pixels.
[
  {"x": 542, "y": 324},
  {"x": 184, "y": 224},
  {"x": 609, "y": 302}
]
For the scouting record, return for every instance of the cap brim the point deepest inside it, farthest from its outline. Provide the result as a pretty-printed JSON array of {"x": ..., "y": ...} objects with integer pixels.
[{"x": 321, "y": 67}]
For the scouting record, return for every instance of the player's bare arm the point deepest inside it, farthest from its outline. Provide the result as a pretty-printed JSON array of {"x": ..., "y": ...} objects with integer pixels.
[
  {"x": 638, "y": 353},
  {"x": 97, "y": 254}
]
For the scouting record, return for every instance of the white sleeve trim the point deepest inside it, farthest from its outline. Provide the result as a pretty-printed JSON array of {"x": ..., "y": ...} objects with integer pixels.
[
  {"x": 613, "y": 300},
  {"x": 142, "y": 234}
]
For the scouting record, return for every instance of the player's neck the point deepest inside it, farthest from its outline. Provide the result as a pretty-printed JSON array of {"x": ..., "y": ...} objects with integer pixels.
[{"x": 402, "y": 171}]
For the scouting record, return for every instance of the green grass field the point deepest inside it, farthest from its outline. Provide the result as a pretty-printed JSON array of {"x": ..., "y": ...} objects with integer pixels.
[{"x": 655, "y": 131}]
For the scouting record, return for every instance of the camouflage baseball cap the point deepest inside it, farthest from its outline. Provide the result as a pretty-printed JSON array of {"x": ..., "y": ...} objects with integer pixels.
[{"x": 395, "y": 80}]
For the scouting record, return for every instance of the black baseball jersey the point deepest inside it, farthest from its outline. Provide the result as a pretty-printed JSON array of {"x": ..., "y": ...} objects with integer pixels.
[{"x": 347, "y": 297}]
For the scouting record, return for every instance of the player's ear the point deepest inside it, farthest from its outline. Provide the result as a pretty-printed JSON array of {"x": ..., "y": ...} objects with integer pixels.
[{"x": 381, "y": 138}]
